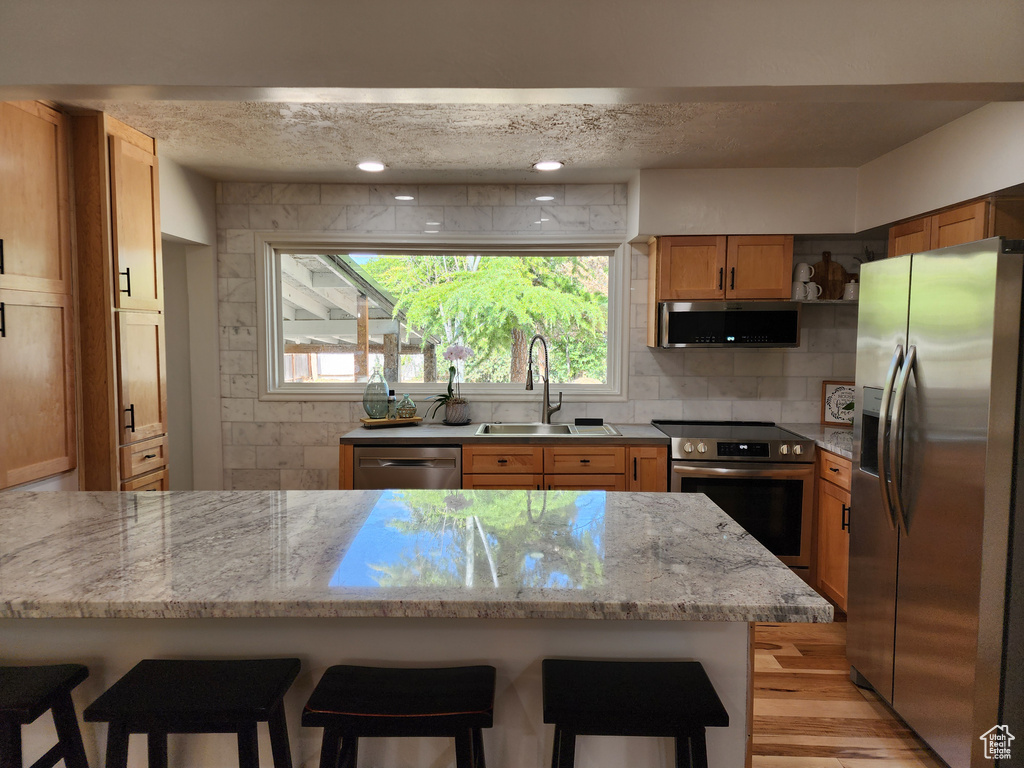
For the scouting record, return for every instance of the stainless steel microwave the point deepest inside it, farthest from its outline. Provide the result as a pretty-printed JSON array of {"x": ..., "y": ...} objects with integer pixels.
[{"x": 729, "y": 324}]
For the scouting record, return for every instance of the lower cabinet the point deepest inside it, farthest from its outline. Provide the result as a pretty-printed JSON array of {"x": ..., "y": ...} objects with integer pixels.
[
  {"x": 833, "y": 527},
  {"x": 154, "y": 481}
]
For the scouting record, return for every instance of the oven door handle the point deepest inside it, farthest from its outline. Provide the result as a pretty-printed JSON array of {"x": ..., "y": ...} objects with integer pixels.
[{"x": 775, "y": 472}]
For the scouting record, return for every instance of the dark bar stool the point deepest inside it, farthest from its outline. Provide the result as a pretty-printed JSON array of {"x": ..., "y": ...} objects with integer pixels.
[
  {"x": 350, "y": 702},
  {"x": 631, "y": 698},
  {"x": 161, "y": 696},
  {"x": 27, "y": 692}
]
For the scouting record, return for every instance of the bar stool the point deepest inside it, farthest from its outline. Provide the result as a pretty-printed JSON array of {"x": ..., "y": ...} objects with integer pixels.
[
  {"x": 350, "y": 702},
  {"x": 630, "y": 698},
  {"x": 27, "y": 692},
  {"x": 161, "y": 696}
]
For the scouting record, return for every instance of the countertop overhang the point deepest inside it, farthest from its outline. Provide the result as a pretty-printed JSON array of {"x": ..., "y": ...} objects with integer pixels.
[{"x": 426, "y": 554}]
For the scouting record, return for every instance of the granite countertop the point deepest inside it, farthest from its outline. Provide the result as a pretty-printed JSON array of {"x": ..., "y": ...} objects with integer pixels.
[
  {"x": 838, "y": 440},
  {"x": 450, "y": 554},
  {"x": 435, "y": 433}
]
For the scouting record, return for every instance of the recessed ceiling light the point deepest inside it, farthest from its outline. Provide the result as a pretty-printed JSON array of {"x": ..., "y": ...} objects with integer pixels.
[
  {"x": 371, "y": 165},
  {"x": 404, "y": 197},
  {"x": 430, "y": 231},
  {"x": 432, "y": 223},
  {"x": 547, "y": 165},
  {"x": 543, "y": 219},
  {"x": 544, "y": 198}
]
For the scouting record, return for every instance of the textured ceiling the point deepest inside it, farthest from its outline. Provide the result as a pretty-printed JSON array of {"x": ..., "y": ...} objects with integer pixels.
[{"x": 497, "y": 143}]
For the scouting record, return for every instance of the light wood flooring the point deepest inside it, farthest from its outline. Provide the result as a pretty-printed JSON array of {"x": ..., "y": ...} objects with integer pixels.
[{"x": 807, "y": 713}]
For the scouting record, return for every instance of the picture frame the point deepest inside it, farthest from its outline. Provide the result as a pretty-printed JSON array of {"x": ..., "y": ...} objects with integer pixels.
[{"x": 837, "y": 403}]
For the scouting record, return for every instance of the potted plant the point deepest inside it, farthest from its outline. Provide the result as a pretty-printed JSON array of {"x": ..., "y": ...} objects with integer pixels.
[{"x": 456, "y": 409}]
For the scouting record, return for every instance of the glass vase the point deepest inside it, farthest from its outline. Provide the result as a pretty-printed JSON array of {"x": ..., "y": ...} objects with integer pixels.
[
  {"x": 375, "y": 396},
  {"x": 406, "y": 408}
]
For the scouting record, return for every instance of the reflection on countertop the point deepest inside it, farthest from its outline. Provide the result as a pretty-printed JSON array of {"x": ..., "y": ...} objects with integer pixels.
[{"x": 452, "y": 554}]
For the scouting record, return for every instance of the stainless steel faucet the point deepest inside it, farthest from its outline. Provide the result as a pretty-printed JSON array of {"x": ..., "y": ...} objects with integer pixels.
[{"x": 546, "y": 409}]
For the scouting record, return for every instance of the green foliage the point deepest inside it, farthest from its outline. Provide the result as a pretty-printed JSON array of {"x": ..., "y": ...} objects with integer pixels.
[{"x": 481, "y": 301}]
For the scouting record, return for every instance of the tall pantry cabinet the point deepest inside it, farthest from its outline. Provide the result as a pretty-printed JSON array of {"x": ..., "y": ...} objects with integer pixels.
[
  {"x": 37, "y": 366},
  {"x": 124, "y": 396}
]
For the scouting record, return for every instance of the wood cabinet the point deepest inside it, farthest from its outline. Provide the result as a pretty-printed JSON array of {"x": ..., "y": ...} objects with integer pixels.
[
  {"x": 965, "y": 223},
  {"x": 124, "y": 398},
  {"x": 833, "y": 527},
  {"x": 647, "y": 468},
  {"x": 37, "y": 349},
  {"x": 716, "y": 267}
]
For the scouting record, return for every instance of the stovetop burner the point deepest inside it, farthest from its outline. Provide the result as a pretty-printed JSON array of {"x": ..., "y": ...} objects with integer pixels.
[{"x": 734, "y": 441}]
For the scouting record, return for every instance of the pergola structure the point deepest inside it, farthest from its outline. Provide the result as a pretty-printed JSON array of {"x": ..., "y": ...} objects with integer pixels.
[{"x": 330, "y": 305}]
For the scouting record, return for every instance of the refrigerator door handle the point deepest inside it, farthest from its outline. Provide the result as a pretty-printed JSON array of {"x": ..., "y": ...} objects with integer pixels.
[
  {"x": 883, "y": 427},
  {"x": 896, "y": 437}
]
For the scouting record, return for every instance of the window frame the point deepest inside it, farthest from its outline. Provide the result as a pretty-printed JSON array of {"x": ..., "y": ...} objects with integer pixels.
[{"x": 270, "y": 339}]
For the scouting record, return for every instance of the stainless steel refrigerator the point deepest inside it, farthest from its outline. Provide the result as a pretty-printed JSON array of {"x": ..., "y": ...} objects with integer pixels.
[{"x": 934, "y": 608}]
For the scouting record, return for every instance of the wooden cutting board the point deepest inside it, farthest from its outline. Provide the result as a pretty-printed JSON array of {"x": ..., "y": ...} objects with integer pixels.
[{"x": 830, "y": 276}]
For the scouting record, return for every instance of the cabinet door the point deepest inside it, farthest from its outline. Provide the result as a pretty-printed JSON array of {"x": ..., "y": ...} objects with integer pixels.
[
  {"x": 691, "y": 268},
  {"x": 960, "y": 225},
  {"x": 585, "y": 459},
  {"x": 501, "y": 459},
  {"x": 135, "y": 209},
  {"x": 141, "y": 375},
  {"x": 35, "y": 240},
  {"x": 910, "y": 237},
  {"x": 648, "y": 468},
  {"x": 503, "y": 482},
  {"x": 759, "y": 267},
  {"x": 37, "y": 389},
  {"x": 833, "y": 542},
  {"x": 585, "y": 482}
]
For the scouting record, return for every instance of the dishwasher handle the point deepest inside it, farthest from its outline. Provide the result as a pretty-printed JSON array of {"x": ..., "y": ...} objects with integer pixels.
[{"x": 382, "y": 461}]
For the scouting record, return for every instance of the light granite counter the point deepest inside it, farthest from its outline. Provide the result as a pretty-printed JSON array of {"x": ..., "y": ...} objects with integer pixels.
[
  {"x": 450, "y": 554},
  {"x": 391, "y": 578},
  {"x": 435, "y": 433},
  {"x": 838, "y": 440}
]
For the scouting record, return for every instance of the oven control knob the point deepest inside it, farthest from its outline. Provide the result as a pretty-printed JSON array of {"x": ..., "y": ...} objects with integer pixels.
[
  {"x": 797, "y": 450},
  {"x": 701, "y": 448},
  {"x": 784, "y": 450},
  {"x": 687, "y": 447}
]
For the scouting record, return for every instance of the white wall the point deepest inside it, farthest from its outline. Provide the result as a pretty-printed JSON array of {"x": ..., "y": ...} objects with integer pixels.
[
  {"x": 978, "y": 154},
  {"x": 744, "y": 201},
  {"x": 179, "y": 377},
  {"x": 469, "y": 44}
]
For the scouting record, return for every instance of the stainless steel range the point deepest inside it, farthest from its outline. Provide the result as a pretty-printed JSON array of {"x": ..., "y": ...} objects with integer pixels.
[{"x": 761, "y": 475}]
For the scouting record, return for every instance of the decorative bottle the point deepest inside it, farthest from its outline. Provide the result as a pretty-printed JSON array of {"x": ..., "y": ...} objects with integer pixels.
[
  {"x": 375, "y": 396},
  {"x": 406, "y": 408}
]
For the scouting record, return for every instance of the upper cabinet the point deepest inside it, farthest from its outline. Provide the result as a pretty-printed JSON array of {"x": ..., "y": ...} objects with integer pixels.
[
  {"x": 37, "y": 350},
  {"x": 35, "y": 229},
  {"x": 124, "y": 398},
  {"x": 994, "y": 216},
  {"x": 735, "y": 267}
]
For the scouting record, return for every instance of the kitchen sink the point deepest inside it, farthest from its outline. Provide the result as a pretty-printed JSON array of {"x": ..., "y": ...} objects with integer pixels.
[{"x": 499, "y": 429}]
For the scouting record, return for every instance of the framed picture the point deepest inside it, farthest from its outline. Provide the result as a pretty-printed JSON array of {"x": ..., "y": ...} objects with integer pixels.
[{"x": 837, "y": 403}]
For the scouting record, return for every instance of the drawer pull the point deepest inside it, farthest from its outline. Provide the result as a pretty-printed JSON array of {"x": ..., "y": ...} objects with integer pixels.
[
  {"x": 833, "y": 469},
  {"x": 149, "y": 456},
  {"x": 503, "y": 461},
  {"x": 584, "y": 461}
]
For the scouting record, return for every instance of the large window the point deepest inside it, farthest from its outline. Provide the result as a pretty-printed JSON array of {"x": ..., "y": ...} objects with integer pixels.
[{"x": 335, "y": 315}]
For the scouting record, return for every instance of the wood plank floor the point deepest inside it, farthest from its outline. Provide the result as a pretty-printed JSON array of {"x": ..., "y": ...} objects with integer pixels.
[{"x": 807, "y": 713}]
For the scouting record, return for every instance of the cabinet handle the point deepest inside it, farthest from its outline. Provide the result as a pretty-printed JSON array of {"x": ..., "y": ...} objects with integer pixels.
[
  {"x": 584, "y": 461},
  {"x": 503, "y": 461},
  {"x": 833, "y": 469},
  {"x": 149, "y": 456},
  {"x": 1, "y": 255},
  {"x": 721, "y": 277},
  {"x": 3, "y": 321},
  {"x": 732, "y": 279},
  {"x": 846, "y": 518},
  {"x": 128, "y": 280},
  {"x": 634, "y": 468},
  {"x": 130, "y": 410}
]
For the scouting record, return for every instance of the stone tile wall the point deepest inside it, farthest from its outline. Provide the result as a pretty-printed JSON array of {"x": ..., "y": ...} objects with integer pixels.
[{"x": 294, "y": 445}]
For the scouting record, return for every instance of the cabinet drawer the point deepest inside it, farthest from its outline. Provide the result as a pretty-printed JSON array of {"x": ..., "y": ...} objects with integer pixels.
[
  {"x": 835, "y": 469},
  {"x": 516, "y": 459},
  {"x": 503, "y": 482},
  {"x": 139, "y": 458},
  {"x": 591, "y": 482},
  {"x": 585, "y": 458},
  {"x": 154, "y": 481}
]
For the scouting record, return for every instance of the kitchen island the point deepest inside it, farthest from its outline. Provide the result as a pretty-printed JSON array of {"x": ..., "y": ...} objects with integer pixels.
[{"x": 392, "y": 577}]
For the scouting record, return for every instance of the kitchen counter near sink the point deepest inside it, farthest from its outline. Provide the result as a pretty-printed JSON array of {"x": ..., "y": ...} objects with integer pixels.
[
  {"x": 438, "y": 434},
  {"x": 395, "y": 577}
]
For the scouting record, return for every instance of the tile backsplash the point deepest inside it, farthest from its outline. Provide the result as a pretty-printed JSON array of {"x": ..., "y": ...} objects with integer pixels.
[{"x": 294, "y": 445}]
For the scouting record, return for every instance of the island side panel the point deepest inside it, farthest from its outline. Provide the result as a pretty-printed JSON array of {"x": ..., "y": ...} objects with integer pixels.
[{"x": 514, "y": 646}]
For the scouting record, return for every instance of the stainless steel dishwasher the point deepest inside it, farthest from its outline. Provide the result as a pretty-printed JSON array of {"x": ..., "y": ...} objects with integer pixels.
[{"x": 406, "y": 466}]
